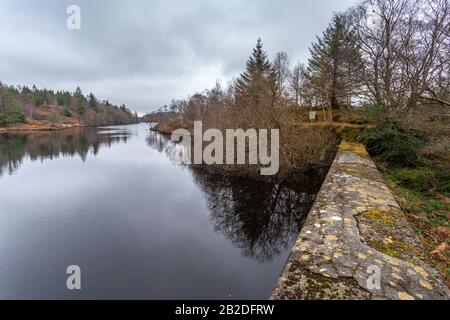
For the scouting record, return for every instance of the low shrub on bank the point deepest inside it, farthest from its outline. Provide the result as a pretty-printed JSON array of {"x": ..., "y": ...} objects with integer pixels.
[
  {"x": 421, "y": 179},
  {"x": 395, "y": 146},
  {"x": 443, "y": 182},
  {"x": 67, "y": 112}
]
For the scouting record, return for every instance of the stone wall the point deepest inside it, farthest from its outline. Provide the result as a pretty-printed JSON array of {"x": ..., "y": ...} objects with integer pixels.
[{"x": 355, "y": 231}]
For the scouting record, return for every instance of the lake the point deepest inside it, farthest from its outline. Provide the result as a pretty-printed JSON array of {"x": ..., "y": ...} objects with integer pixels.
[{"x": 115, "y": 202}]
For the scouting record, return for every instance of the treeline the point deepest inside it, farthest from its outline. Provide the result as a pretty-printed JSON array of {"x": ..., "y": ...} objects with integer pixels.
[
  {"x": 387, "y": 53},
  {"x": 159, "y": 116},
  {"x": 381, "y": 60},
  {"x": 19, "y": 103}
]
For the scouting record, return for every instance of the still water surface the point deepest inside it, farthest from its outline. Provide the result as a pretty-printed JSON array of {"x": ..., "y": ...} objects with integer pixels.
[{"x": 113, "y": 201}]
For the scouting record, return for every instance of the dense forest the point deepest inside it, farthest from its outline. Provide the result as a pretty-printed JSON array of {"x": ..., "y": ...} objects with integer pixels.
[{"x": 58, "y": 109}]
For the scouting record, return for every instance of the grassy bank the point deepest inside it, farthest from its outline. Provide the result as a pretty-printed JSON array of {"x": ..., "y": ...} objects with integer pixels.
[{"x": 41, "y": 125}]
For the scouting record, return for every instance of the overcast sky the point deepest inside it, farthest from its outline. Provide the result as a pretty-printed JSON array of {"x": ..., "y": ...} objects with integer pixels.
[{"x": 144, "y": 53}]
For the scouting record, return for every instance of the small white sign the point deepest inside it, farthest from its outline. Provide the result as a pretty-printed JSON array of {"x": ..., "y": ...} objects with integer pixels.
[{"x": 312, "y": 115}]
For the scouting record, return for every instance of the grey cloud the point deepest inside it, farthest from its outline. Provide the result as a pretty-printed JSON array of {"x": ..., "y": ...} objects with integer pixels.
[{"x": 143, "y": 53}]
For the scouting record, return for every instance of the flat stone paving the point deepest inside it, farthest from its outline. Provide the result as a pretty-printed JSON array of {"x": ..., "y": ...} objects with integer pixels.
[{"x": 354, "y": 230}]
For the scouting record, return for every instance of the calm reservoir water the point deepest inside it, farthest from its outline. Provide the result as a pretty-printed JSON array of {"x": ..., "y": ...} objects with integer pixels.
[{"x": 115, "y": 202}]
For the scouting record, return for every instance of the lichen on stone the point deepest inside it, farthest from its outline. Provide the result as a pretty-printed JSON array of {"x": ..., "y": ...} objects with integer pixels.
[{"x": 357, "y": 224}]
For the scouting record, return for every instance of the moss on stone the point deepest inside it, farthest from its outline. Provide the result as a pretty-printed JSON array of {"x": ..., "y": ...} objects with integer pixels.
[
  {"x": 375, "y": 214},
  {"x": 385, "y": 248},
  {"x": 360, "y": 171},
  {"x": 397, "y": 249},
  {"x": 357, "y": 148},
  {"x": 303, "y": 284}
]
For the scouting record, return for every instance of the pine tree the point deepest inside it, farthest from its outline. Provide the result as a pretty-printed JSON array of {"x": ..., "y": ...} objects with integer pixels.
[
  {"x": 255, "y": 83},
  {"x": 334, "y": 59},
  {"x": 10, "y": 111},
  {"x": 38, "y": 97},
  {"x": 258, "y": 66},
  {"x": 124, "y": 108},
  {"x": 93, "y": 102},
  {"x": 80, "y": 107},
  {"x": 25, "y": 90},
  {"x": 78, "y": 93},
  {"x": 67, "y": 98},
  {"x": 60, "y": 98}
]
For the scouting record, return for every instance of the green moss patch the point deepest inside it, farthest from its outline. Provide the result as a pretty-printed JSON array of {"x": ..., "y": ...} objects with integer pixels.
[
  {"x": 374, "y": 214},
  {"x": 354, "y": 147}
]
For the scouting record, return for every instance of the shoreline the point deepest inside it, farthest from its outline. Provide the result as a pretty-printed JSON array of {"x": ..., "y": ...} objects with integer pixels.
[{"x": 27, "y": 127}]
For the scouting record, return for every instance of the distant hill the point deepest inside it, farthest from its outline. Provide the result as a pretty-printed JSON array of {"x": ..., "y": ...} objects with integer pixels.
[{"x": 42, "y": 108}]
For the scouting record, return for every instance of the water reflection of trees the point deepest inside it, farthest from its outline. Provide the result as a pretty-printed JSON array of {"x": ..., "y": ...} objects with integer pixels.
[
  {"x": 177, "y": 154},
  {"x": 261, "y": 218},
  {"x": 53, "y": 144},
  {"x": 159, "y": 142}
]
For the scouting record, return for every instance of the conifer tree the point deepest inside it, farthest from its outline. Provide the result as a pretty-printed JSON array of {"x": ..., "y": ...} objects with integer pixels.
[
  {"x": 93, "y": 102},
  {"x": 10, "y": 111},
  {"x": 78, "y": 93},
  {"x": 80, "y": 107},
  {"x": 39, "y": 97},
  {"x": 334, "y": 61},
  {"x": 254, "y": 85}
]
